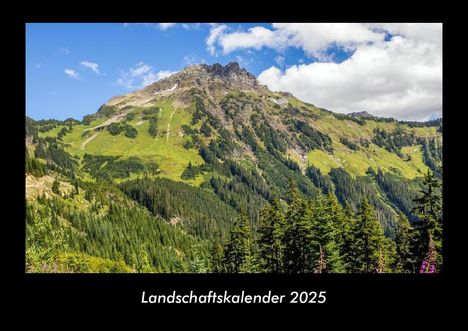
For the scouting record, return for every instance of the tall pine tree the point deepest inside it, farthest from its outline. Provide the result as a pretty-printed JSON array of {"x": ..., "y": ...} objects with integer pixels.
[
  {"x": 298, "y": 247},
  {"x": 271, "y": 230},
  {"x": 216, "y": 258},
  {"x": 239, "y": 255},
  {"x": 324, "y": 235},
  {"x": 429, "y": 226},
  {"x": 404, "y": 238},
  {"x": 347, "y": 237},
  {"x": 369, "y": 242}
]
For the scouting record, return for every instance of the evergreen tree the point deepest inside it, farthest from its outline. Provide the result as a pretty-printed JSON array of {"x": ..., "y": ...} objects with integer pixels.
[
  {"x": 404, "y": 237},
  {"x": 238, "y": 255},
  {"x": 190, "y": 172},
  {"x": 343, "y": 219},
  {"x": 153, "y": 128},
  {"x": 429, "y": 211},
  {"x": 216, "y": 258},
  {"x": 144, "y": 264},
  {"x": 56, "y": 186},
  {"x": 347, "y": 237},
  {"x": 34, "y": 167},
  {"x": 205, "y": 129},
  {"x": 153, "y": 168},
  {"x": 369, "y": 241},
  {"x": 45, "y": 238},
  {"x": 76, "y": 188},
  {"x": 298, "y": 253},
  {"x": 324, "y": 235},
  {"x": 130, "y": 131},
  {"x": 389, "y": 253},
  {"x": 271, "y": 230}
]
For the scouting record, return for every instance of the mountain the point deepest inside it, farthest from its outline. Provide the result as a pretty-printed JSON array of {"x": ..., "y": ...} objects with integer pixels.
[{"x": 198, "y": 147}]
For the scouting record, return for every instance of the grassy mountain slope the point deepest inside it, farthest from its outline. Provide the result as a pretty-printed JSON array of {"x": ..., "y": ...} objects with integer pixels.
[{"x": 216, "y": 128}]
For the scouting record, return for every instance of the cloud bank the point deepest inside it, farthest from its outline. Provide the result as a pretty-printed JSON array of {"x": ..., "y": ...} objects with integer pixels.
[{"x": 395, "y": 70}]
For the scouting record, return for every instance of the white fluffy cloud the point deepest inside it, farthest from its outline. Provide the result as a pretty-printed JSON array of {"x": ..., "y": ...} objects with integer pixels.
[
  {"x": 314, "y": 38},
  {"x": 399, "y": 77},
  {"x": 256, "y": 37},
  {"x": 216, "y": 32},
  {"x": 165, "y": 26},
  {"x": 91, "y": 65},
  {"x": 422, "y": 32},
  {"x": 72, "y": 73},
  {"x": 141, "y": 75}
]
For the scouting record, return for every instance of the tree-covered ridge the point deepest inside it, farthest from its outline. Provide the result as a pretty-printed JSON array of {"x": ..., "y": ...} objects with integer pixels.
[
  {"x": 393, "y": 141},
  {"x": 97, "y": 229},
  {"x": 111, "y": 167},
  {"x": 320, "y": 236},
  {"x": 51, "y": 150},
  {"x": 197, "y": 210}
]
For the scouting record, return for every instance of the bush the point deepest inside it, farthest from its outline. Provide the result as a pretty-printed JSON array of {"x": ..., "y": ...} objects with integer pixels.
[
  {"x": 88, "y": 119},
  {"x": 130, "y": 131},
  {"x": 153, "y": 128},
  {"x": 129, "y": 117},
  {"x": 34, "y": 166},
  {"x": 205, "y": 129},
  {"x": 191, "y": 172},
  {"x": 349, "y": 144},
  {"x": 56, "y": 186},
  {"x": 114, "y": 129}
]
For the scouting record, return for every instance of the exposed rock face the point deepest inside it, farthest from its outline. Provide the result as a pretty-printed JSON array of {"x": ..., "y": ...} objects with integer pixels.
[
  {"x": 203, "y": 75},
  {"x": 215, "y": 79},
  {"x": 232, "y": 73}
]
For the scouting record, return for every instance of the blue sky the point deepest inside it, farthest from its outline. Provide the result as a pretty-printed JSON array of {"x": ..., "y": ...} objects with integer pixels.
[
  {"x": 52, "y": 48},
  {"x": 72, "y": 69}
]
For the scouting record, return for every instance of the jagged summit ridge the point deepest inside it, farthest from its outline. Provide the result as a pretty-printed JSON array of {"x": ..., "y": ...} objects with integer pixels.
[
  {"x": 215, "y": 79},
  {"x": 205, "y": 75},
  {"x": 232, "y": 72}
]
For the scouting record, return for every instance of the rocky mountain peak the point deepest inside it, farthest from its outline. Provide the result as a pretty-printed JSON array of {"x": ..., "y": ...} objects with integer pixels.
[
  {"x": 206, "y": 75},
  {"x": 232, "y": 68},
  {"x": 231, "y": 74}
]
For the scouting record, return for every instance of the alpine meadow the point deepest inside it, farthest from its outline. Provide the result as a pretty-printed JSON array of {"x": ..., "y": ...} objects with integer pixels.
[{"x": 208, "y": 170}]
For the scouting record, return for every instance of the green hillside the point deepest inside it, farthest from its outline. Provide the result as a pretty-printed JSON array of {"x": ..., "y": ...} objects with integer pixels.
[{"x": 231, "y": 144}]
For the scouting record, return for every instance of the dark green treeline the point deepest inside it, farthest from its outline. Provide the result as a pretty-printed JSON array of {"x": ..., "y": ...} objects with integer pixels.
[{"x": 321, "y": 236}]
